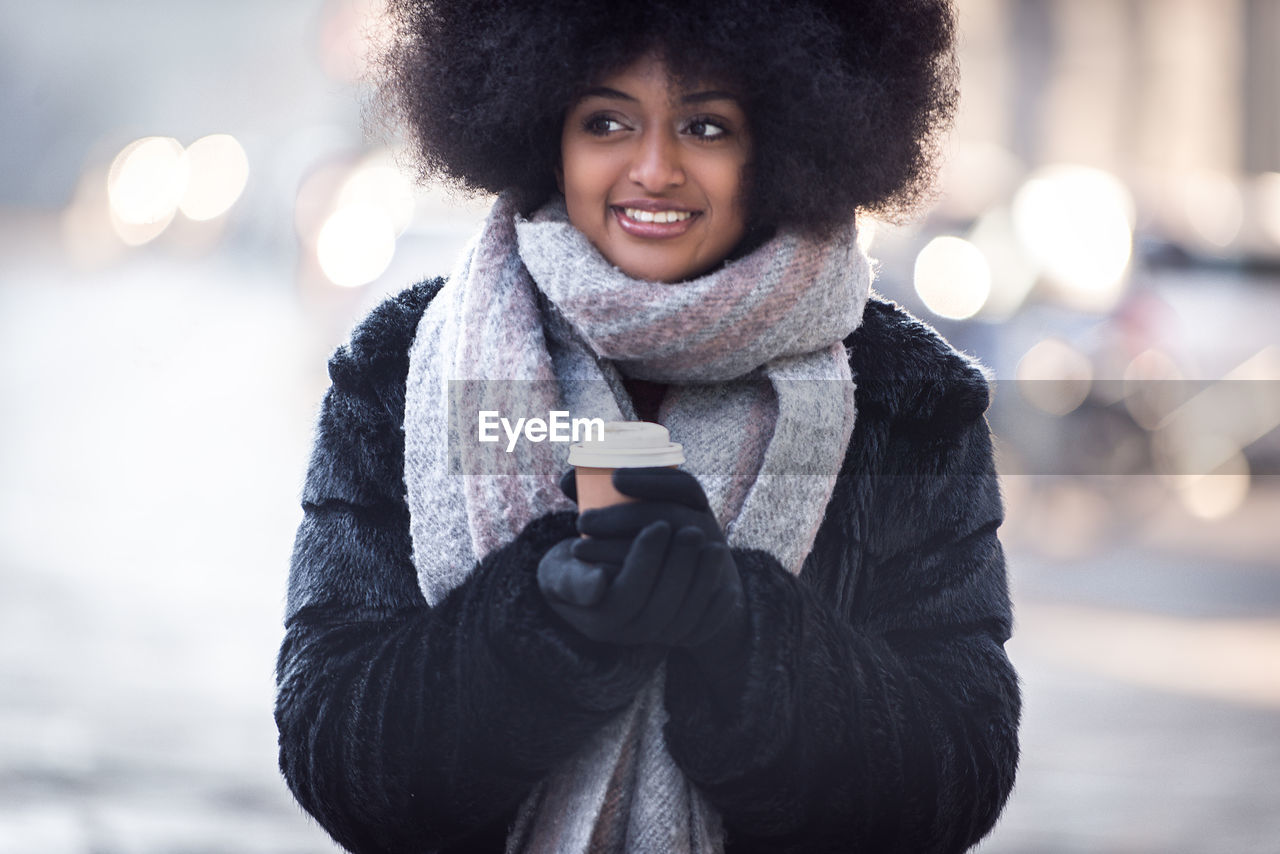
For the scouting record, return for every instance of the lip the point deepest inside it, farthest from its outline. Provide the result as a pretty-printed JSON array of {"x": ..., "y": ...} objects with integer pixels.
[{"x": 652, "y": 230}]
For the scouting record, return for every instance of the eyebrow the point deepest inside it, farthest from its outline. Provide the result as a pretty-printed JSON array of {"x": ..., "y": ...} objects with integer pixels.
[{"x": 693, "y": 98}]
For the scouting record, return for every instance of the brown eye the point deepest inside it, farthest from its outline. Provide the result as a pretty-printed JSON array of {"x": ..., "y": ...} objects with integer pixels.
[
  {"x": 706, "y": 129},
  {"x": 598, "y": 125}
]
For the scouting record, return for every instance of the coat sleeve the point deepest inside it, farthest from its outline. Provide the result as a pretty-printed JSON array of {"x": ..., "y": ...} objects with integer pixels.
[
  {"x": 404, "y": 727},
  {"x": 879, "y": 712}
]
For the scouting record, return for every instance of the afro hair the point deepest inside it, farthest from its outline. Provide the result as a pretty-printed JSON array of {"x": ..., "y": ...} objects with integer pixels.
[{"x": 847, "y": 101}]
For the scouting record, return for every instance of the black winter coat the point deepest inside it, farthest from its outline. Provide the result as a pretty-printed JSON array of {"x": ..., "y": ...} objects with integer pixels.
[{"x": 879, "y": 713}]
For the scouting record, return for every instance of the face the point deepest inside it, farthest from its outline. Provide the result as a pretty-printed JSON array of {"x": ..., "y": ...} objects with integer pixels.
[{"x": 653, "y": 174}]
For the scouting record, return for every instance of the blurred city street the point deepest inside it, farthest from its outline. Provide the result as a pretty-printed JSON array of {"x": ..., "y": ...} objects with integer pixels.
[{"x": 194, "y": 212}]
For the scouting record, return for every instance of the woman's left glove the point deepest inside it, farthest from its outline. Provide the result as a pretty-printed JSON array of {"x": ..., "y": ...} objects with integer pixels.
[{"x": 668, "y": 575}]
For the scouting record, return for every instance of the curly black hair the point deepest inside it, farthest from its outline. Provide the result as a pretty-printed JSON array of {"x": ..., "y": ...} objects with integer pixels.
[{"x": 847, "y": 101}]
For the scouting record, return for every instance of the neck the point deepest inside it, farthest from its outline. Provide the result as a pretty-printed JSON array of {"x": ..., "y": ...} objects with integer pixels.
[{"x": 646, "y": 396}]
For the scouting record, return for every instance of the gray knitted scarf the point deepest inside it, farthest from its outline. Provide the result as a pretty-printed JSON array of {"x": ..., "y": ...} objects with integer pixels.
[{"x": 760, "y": 395}]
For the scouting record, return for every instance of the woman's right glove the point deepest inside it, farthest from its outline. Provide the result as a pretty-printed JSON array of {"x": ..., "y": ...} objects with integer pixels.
[{"x": 672, "y": 587}]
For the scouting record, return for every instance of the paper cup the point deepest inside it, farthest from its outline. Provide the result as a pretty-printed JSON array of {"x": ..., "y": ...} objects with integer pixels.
[{"x": 626, "y": 444}]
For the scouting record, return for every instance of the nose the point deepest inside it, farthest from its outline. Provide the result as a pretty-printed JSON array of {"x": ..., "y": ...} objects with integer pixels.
[{"x": 655, "y": 165}]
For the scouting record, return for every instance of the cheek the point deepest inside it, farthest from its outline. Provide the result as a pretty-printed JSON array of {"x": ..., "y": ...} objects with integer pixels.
[
  {"x": 724, "y": 177},
  {"x": 584, "y": 195},
  {"x": 571, "y": 161},
  {"x": 585, "y": 172},
  {"x": 731, "y": 196}
]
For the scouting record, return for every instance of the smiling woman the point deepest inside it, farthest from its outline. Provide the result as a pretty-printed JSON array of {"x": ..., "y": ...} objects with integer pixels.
[
  {"x": 791, "y": 643},
  {"x": 654, "y": 174}
]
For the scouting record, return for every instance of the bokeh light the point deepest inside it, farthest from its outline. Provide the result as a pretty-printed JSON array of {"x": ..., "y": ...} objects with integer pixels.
[
  {"x": 1013, "y": 274},
  {"x": 218, "y": 170},
  {"x": 952, "y": 277},
  {"x": 146, "y": 181},
  {"x": 313, "y": 204},
  {"x": 1054, "y": 376},
  {"x": 1152, "y": 388},
  {"x": 1214, "y": 206},
  {"x": 379, "y": 183},
  {"x": 1077, "y": 225},
  {"x": 355, "y": 245},
  {"x": 1208, "y": 473},
  {"x": 139, "y": 233}
]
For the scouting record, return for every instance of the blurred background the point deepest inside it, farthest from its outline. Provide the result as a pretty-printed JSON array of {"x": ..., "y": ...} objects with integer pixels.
[{"x": 192, "y": 218}]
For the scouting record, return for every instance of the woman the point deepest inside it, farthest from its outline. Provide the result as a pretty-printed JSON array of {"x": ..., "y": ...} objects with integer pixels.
[{"x": 795, "y": 643}]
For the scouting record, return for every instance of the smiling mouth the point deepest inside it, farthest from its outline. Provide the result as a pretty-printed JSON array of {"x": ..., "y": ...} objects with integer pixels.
[
  {"x": 656, "y": 216},
  {"x": 654, "y": 224}
]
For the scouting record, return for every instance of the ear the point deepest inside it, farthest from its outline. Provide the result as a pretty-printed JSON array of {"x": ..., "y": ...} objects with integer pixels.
[{"x": 559, "y": 176}]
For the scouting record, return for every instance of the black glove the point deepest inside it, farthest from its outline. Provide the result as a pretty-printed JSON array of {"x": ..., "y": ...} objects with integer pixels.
[{"x": 654, "y": 571}]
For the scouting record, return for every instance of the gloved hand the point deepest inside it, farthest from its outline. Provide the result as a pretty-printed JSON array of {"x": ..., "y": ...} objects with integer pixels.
[{"x": 654, "y": 571}]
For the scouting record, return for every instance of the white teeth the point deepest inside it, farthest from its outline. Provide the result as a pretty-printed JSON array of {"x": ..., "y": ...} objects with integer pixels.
[{"x": 659, "y": 216}]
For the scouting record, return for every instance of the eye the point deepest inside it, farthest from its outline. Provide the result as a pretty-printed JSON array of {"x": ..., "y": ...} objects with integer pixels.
[
  {"x": 706, "y": 128},
  {"x": 601, "y": 125}
]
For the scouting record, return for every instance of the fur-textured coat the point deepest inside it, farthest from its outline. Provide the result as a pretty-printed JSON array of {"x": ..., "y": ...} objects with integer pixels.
[{"x": 879, "y": 712}]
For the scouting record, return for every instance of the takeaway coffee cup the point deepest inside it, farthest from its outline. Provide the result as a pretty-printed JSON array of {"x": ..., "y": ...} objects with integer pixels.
[{"x": 626, "y": 444}]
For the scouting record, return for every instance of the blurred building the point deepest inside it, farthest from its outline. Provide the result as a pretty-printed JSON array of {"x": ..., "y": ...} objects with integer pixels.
[
  {"x": 1178, "y": 98},
  {"x": 1126, "y": 85}
]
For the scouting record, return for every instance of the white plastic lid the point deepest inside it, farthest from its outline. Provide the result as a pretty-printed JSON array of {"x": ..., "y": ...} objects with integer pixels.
[{"x": 628, "y": 445}]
